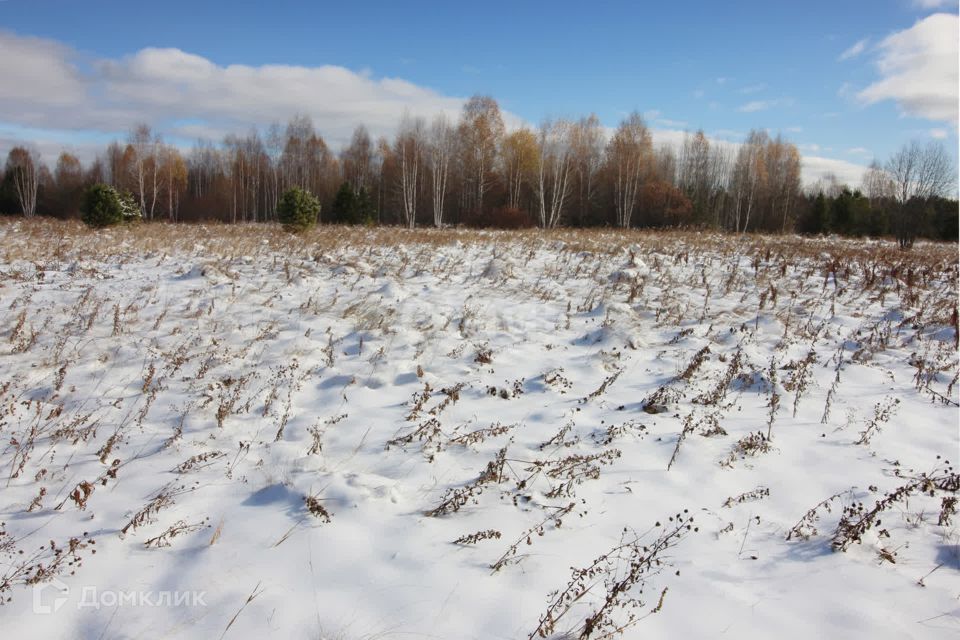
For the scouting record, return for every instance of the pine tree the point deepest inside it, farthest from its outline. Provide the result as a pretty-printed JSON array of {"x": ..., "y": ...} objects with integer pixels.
[
  {"x": 821, "y": 215},
  {"x": 344, "y": 205},
  {"x": 104, "y": 206},
  {"x": 365, "y": 213},
  {"x": 298, "y": 209}
]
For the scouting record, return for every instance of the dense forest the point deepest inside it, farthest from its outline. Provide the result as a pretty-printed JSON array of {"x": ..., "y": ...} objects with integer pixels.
[{"x": 474, "y": 172}]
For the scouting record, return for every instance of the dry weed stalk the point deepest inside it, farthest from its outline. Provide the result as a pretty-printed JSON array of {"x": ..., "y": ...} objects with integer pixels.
[
  {"x": 719, "y": 391},
  {"x": 882, "y": 412},
  {"x": 457, "y": 497},
  {"x": 607, "y": 436},
  {"x": 555, "y": 519},
  {"x": 179, "y": 528},
  {"x": 570, "y": 471},
  {"x": 800, "y": 378},
  {"x": 857, "y": 520},
  {"x": 315, "y": 506},
  {"x": 199, "y": 461},
  {"x": 480, "y": 435},
  {"x": 750, "y": 496},
  {"x": 688, "y": 426},
  {"x": 622, "y": 572},
  {"x": 609, "y": 380},
  {"x": 163, "y": 498},
  {"x": 773, "y": 404},
  {"x": 43, "y": 564},
  {"x": 559, "y": 439},
  {"x": 806, "y": 526},
  {"x": 751, "y": 445},
  {"x": 474, "y": 538}
]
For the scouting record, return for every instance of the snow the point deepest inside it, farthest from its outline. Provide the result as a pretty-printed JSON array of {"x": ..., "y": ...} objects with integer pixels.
[{"x": 243, "y": 378}]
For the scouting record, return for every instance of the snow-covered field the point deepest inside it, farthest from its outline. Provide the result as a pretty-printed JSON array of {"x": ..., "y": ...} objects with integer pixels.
[{"x": 232, "y": 432}]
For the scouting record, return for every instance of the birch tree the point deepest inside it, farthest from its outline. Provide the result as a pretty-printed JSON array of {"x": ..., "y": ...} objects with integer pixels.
[
  {"x": 116, "y": 170},
  {"x": 694, "y": 171},
  {"x": 174, "y": 171},
  {"x": 703, "y": 176},
  {"x": 628, "y": 156},
  {"x": 255, "y": 157},
  {"x": 409, "y": 150},
  {"x": 481, "y": 132},
  {"x": 553, "y": 171},
  {"x": 440, "y": 150},
  {"x": 520, "y": 162},
  {"x": 877, "y": 184},
  {"x": 783, "y": 176},
  {"x": 357, "y": 159},
  {"x": 306, "y": 161},
  {"x": 918, "y": 173},
  {"x": 296, "y": 158},
  {"x": 145, "y": 168},
  {"x": 24, "y": 166},
  {"x": 274, "y": 150},
  {"x": 68, "y": 179},
  {"x": 203, "y": 169},
  {"x": 921, "y": 171},
  {"x": 586, "y": 143},
  {"x": 748, "y": 178}
]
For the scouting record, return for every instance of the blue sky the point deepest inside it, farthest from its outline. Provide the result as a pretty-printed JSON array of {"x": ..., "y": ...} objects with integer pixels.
[{"x": 726, "y": 67}]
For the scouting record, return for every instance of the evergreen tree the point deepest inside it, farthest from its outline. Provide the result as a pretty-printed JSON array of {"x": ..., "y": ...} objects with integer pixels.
[
  {"x": 365, "y": 211},
  {"x": 946, "y": 219},
  {"x": 344, "y": 205},
  {"x": 298, "y": 209},
  {"x": 860, "y": 214},
  {"x": 840, "y": 213},
  {"x": 820, "y": 216},
  {"x": 878, "y": 220},
  {"x": 8, "y": 195},
  {"x": 104, "y": 206}
]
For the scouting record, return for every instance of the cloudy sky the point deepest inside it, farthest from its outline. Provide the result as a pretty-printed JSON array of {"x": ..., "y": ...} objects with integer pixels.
[{"x": 846, "y": 81}]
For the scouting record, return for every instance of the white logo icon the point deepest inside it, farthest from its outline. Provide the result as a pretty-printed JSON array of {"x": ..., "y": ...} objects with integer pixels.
[{"x": 41, "y": 604}]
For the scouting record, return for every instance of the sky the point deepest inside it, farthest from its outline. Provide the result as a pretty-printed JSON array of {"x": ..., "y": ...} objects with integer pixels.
[{"x": 846, "y": 81}]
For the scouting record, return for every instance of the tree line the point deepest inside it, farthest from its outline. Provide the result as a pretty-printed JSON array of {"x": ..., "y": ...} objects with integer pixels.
[{"x": 474, "y": 172}]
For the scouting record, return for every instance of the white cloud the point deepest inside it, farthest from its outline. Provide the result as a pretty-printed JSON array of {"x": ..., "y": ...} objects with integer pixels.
[
  {"x": 938, "y": 134},
  {"x": 754, "y": 88},
  {"x": 56, "y": 99},
  {"x": 813, "y": 168},
  {"x": 49, "y": 86},
  {"x": 727, "y": 135},
  {"x": 656, "y": 117},
  {"x": 755, "y": 105},
  {"x": 674, "y": 124},
  {"x": 854, "y": 50},
  {"x": 762, "y": 105},
  {"x": 50, "y": 147},
  {"x": 38, "y": 72},
  {"x": 918, "y": 69},
  {"x": 932, "y": 4},
  {"x": 858, "y": 151},
  {"x": 844, "y": 90}
]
